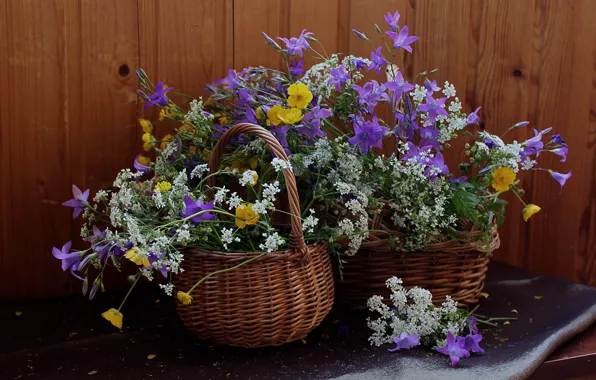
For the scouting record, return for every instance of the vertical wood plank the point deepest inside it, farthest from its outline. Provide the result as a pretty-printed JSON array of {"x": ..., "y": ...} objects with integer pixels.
[
  {"x": 186, "y": 44},
  {"x": 564, "y": 52},
  {"x": 65, "y": 111}
]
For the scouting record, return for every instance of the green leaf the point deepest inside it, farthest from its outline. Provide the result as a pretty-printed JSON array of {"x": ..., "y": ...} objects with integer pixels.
[{"x": 465, "y": 202}]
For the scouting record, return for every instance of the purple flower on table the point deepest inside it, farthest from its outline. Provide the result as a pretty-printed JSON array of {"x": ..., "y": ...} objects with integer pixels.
[
  {"x": 428, "y": 136},
  {"x": 402, "y": 40},
  {"x": 244, "y": 97},
  {"x": 370, "y": 94},
  {"x": 454, "y": 349},
  {"x": 434, "y": 107},
  {"x": 159, "y": 97},
  {"x": 358, "y": 63},
  {"x": 470, "y": 343},
  {"x": 560, "y": 177},
  {"x": 316, "y": 114},
  {"x": 70, "y": 260},
  {"x": 556, "y": 139},
  {"x": 405, "y": 342},
  {"x": 562, "y": 151},
  {"x": 471, "y": 323},
  {"x": 296, "y": 67},
  {"x": 295, "y": 45},
  {"x": 360, "y": 34},
  {"x": 338, "y": 76},
  {"x": 392, "y": 20},
  {"x": 140, "y": 167},
  {"x": 192, "y": 207},
  {"x": 232, "y": 80},
  {"x": 368, "y": 134},
  {"x": 431, "y": 86},
  {"x": 377, "y": 60},
  {"x": 473, "y": 117},
  {"x": 399, "y": 85},
  {"x": 280, "y": 133},
  {"x": 79, "y": 201}
]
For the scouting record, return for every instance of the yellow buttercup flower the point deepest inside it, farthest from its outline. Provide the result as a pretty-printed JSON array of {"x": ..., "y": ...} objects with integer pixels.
[
  {"x": 290, "y": 116},
  {"x": 146, "y": 125},
  {"x": 114, "y": 317},
  {"x": 166, "y": 111},
  {"x": 300, "y": 96},
  {"x": 253, "y": 163},
  {"x": 144, "y": 160},
  {"x": 163, "y": 186},
  {"x": 148, "y": 141},
  {"x": 223, "y": 120},
  {"x": 503, "y": 178},
  {"x": 530, "y": 210},
  {"x": 260, "y": 115},
  {"x": 272, "y": 115},
  {"x": 245, "y": 215},
  {"x": 134, "y": 254},
  {"x": 166, "y": 140},
  {"x": 208, "y": 102},
  {"x": 184, "y": 298}
]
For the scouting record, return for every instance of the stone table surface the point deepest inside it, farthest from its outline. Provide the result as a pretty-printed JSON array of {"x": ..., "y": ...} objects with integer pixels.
[{"x": 65, "y": 338}]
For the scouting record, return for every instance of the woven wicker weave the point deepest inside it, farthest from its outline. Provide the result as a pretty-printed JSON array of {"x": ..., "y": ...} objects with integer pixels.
[
  {"x": 275, "y": 299},
  {"x": 455, "y": 267}
]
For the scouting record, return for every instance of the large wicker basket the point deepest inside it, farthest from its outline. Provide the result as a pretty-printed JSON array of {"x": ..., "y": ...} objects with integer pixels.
[
  {"x": 275, "y": 299},
  {"x": 456, "y": 267}
]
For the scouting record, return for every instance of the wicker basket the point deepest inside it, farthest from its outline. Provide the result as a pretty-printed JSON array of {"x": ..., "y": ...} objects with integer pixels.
[
  {"x": 456, "y": 267},
  {"x": 275, "y": 299}
]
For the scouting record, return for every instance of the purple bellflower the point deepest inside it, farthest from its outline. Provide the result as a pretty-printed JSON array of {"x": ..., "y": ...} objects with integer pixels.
[
  {"x": 377, "y": 60},
  {"x": 473, "y": 117},
  {"x": 370, "y": 94},
  {"x": 316, "y": 114},
  {"x": 413, "y": 151},
  {"x": 392, "y": 20},
  {"x": 402, "y": 40},
  {"x": 232, "y": 80},
  {"x": 428, "y": 136},
  {"x": 431, "y": 86},
  {"x": 454, "y": 349},
  {"x": 280, "y": 133},
  {"x": 560, "y": 177},
  {"x": 471, "y": 323},
  {"x": 296, "y": 45},
  {"x": 438, "y": 162},
  {"x": 358, "y": 63},
  {"x": 159, "y": 97},
  {"x": 245, "y": 97},
  {"x": 338, "y": 76},
  {"x": 405, "y": 342},
  {"x": 360, "y": 34},
  {"x": 470, "y": 343},
  {"x": 140, "y": 167},
  {"x": 562, "y": 151},
  {"x": 79, "y": 201},
  {"x": 367, "y": 135},
  {"x": 434, "y": 107},
  {"x": 556, "y": 139},
  {"x": 70, "y": 260},
  {"x": 399, "y": 85},
  {"x": 193, "y": 207},
  {"x": 296, "y": 67}
]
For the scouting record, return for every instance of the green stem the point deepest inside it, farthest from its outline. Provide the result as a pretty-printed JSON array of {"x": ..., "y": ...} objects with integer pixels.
[
  {"x": 514, "y": 190},
  {"x": 130, "y": 290},
  {"x": 225, "y": 270}
]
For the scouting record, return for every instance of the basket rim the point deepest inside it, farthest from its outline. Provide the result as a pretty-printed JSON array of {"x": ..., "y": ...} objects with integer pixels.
[{"x": 290, "y": 253}]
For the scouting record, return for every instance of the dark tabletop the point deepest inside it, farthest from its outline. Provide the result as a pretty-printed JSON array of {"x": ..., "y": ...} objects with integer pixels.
[{"x": 65, "y": 338}]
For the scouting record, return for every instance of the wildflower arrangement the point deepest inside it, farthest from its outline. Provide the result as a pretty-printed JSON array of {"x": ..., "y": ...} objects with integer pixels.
[
  {"x": 328, "y": 119},
  {"x": 414, "y": 320}
]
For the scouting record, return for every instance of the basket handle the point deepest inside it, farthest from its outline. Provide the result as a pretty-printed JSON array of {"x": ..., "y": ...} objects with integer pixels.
[{"x": 296, "y": 237}]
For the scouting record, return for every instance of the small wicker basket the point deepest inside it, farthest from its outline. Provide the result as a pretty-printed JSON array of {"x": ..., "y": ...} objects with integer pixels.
[
  {"x": 275, "y": 299},
  {"x": 455, "y": 267}
]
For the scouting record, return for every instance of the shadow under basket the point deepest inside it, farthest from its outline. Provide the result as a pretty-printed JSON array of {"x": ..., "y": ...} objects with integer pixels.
[{"x": 447, "y": 268}]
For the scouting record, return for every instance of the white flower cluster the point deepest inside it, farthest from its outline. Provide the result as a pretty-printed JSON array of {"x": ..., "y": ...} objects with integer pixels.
[
  {"x": 272, "y": 241},
  {"x": 317, "y": 77},
  {"x": 501, "y": 154},
  {"x": 248, "y": 178},
  {"x": 279, "y": 164},
  {"x": 310, "y": 222},
  {"x": 227, "y": 237},
  {"x": 196, "y": 115},
  {"x": 198, "y": 171},
  {"x": 413, "y": 313}
]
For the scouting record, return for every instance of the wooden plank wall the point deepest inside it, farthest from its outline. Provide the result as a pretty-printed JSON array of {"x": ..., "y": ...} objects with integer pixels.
[{"x": 69, "y": 107}]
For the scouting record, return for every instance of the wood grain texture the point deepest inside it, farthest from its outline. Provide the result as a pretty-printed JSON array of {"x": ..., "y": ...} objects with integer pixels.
[
  {"x": 69, "y": 108},
  {"x": 65, "y": 109}
]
